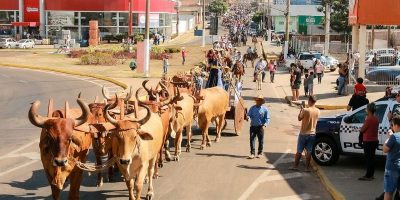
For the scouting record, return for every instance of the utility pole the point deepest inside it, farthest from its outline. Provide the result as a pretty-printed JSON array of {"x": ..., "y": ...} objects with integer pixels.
[
  {"x": 287, "y": 14},
  {"x": 269, "y": 22},
  {"x": 130, "y": 19},
  {"x": 388, "y": 36},
  {"x": 177, "y": 16},
  {"x": 372, "y": 36},
  {"x": 203, "y": 43},
  {"x": 327, "y": 27},
  {"x": 147, "y": 41}
]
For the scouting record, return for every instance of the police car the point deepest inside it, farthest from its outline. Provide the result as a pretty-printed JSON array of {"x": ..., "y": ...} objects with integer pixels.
[{"x": 339, "y": 134}]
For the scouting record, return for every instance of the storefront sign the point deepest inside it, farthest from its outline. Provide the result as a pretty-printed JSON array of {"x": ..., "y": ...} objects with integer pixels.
[
  {"x": 310, "y": 20},
  {"x": 154, "y": 20},
  {"x": 31, "y": 11}
]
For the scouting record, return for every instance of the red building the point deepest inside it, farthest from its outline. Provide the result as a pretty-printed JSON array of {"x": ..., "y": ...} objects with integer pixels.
[{"x": 48, "y": 17}]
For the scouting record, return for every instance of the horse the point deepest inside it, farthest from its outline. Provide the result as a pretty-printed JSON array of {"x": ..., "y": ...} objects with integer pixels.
[
  {"x": 228, "y": 61},
  {"x": 238, "y": 70},
  {"x": 250, "y": 57}
]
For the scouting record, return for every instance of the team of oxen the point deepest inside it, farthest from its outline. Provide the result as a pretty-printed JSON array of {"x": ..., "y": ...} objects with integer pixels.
[{"x": 132, "y": 131}]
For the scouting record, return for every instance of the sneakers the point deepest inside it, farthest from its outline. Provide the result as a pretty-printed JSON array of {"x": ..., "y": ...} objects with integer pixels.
[
  {"x": 251, "y": 156},
  {"x": 258, "y": 156}
]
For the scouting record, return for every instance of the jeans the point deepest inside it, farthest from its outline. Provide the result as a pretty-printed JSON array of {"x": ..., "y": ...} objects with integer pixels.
[
  {"x": 183, "y": 60},
  {"x": 165, "y": 68},
  {"x": 256, "y": 131},
  {"x": 263, "y": 76},
  {"x": 305, "y": 142},
  {"x": 369, "y": 153},
  {"x": 319, "y": 75},
  {"x": 272, "y": 76},
  {"x": 341, "y": 85}
]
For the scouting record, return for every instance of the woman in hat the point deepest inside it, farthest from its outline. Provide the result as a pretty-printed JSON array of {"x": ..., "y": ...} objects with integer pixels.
[
  {"x": 260, "y": 117},
  {"x": 226, "y": 77}
]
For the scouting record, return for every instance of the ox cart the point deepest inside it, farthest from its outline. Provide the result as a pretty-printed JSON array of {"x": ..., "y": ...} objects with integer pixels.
[{"x": 237, "y": 110}]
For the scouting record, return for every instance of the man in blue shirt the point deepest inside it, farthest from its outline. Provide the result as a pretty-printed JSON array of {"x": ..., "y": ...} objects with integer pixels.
[
  {"x": 392, "y": 167},
  {"x": 260, "y": 117}
]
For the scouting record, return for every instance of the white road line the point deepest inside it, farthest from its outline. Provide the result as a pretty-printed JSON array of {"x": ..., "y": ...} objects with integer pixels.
[
  {"x": 5, "y": 76},
  {"x": 284, "y": 176},
  {"x": 303, "y": 196},
  {"x": 19, "y": 149},
  {"x": 261, "y": 178},
  {"x": 18, "y": 167},
  {"x": 22, "y": 81}
]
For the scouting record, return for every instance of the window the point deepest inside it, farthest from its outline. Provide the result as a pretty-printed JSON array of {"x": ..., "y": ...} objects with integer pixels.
[
  {"x": 104, "y": 18},
  {"x": 6, "y": 17},
  {"x": 123, "y": 19},
  {"x": 359, "y": 117},
  {"x": 62, "y": 18}
]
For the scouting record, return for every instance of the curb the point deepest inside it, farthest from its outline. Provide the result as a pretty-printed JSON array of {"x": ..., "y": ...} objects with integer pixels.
[
  {"x": 336, "y": 195},
  {"x": 322, "y": 107},
  {"x": 123, "y": 85}
]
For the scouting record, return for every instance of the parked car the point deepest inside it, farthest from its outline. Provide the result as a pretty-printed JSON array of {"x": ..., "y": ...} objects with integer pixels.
[
  {"x": 25, "y": 43},
  {"x": 330, "y": 63},
  {"x": 338, "y": 134},
  {"x": 7, "y": 43},
  {"x": 383, "y": 75},
  {"x": 306, "y": 60}
]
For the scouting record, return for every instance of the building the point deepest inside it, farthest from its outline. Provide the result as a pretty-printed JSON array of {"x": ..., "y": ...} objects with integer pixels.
[
  {"x": 46, "y": 18},
  {"x": 304, "y": 16}
]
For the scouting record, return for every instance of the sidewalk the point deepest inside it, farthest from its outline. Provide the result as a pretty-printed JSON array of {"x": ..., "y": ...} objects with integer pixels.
[{"x": 325, "y": 92}]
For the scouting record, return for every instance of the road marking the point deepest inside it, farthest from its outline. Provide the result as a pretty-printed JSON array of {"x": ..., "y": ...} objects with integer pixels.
[
  {"x": 284, "y": 176},
  {"x": 5, "y": 76},
  {"x": 22, "y": 81},
  {"x": 18, "y": 167},
  {"x": 261, "y": 178},
  {"x": 19, "y": 149},
  {"x": 30, "y": 155},
  {"x": 304, "y": 196}
]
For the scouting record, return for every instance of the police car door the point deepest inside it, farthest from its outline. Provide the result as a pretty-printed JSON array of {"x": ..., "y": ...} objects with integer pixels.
[{"x": 352, "y": 123}]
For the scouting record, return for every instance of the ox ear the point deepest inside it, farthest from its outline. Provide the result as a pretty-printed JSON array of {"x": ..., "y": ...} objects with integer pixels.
[{"x": 145, "y": 135}]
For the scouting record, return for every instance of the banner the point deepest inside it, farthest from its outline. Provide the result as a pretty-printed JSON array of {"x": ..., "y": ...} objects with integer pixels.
[{"x": 31, "y": 11}]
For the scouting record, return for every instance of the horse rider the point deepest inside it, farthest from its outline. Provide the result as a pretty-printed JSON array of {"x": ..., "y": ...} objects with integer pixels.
[{"x": 249, "y": 51}]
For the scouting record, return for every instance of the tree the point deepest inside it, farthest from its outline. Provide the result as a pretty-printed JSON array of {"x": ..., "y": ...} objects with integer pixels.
[
  {"x": 218, "y": 7},
  {"x": 339, "y": 15},
  {"x": 257, "y": 17}
]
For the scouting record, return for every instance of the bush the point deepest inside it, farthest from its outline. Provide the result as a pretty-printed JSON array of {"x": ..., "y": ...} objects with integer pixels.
[
  {"x": 108, "y": 38},
  {"x": 120, "y": 37},
  {"x": 77, "y": 53},
  {"x": 98, "y": 58}
]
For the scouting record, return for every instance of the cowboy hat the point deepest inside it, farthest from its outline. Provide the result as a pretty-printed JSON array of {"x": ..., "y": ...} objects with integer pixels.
[{"x": 259, "y": 97}]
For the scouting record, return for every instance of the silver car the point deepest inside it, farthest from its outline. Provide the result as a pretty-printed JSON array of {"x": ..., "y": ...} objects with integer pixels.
[
  {"x": 7, "y": 43},
  {"x": 25, "y": 43},
  {"x": 331, "y": 63}
]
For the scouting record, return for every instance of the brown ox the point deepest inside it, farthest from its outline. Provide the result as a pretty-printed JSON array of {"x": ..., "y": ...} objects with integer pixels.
[
  {"x": 212, "y": 109},
  {"x": 60, "y": 145},
  {"x": 135, "y": 145},
  {"x": 159, "y": 102},
  {"x": 100, "y": 130},
  {"x": 238, "y": 70},
  {"x": 182, "y": 118}
]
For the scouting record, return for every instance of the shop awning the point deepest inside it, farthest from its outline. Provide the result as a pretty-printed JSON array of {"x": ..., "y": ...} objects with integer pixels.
[{"x": 30, "y": 24}]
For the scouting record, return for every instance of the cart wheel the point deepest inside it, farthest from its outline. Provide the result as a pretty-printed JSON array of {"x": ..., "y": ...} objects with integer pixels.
[{"x": 239, "y": 116}]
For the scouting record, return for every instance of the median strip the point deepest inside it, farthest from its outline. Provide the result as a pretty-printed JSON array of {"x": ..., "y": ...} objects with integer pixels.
[{"x": 123, "y": 85}]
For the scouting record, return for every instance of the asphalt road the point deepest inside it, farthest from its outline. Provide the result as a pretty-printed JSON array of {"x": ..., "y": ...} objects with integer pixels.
[{"x": 219, "y": 172}]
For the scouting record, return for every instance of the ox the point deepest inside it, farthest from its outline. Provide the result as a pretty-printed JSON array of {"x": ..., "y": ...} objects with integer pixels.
[
  {"x": 61, "y": 146},
  {"x": 212, "y": 109},
  {"x": 100, "y": 131},
  {"x": 182, "y": 118},
  {"x": 135, "y": 144}
]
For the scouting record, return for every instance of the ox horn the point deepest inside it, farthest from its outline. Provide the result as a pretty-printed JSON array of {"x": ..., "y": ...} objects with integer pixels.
[
  {"x": 103, "y": 91},
  {"x": 107, "y": 115},
  {"x": 137, "y": 96},
  {"x": 145, "y": 119},
  {"x": 34, "y": 118},
  {"x": 79, "y": 95},
  {"x": 164, "y": 88},
  {"x": 149, "y": 91},
  {"x": 85, "y": 113},
  {"x": 128, "y": 95},
  {"x": 176, "y": 98}
]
